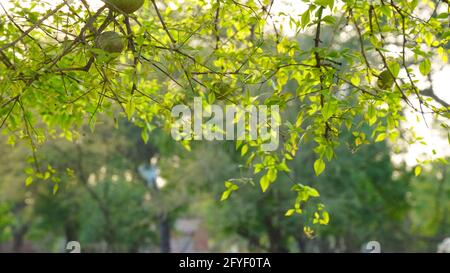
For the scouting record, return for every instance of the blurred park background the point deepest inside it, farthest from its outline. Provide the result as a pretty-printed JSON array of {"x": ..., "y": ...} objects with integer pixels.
[
  {"x": 106, "y": 202},
  {"x": 117, "y": 194}
]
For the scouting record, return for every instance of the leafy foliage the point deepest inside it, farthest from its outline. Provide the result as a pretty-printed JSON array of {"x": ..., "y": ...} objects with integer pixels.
[{"x": 53, "y": 79}]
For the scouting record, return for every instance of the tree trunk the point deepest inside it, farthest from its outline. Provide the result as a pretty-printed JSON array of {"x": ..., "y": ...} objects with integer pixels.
[
  {"x": 164, "y": 226},
  {"x": 18, "y": 238},
  {"x": 275, "y": 238},
  {"x": 71, "y": 232}
]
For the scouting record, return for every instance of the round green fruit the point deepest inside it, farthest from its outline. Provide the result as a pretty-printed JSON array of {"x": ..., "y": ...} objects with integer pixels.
[
  {"x": 126, "y": 6},
  {"x": 385, "y": 80},
  {"x": 111, "y": 42}
]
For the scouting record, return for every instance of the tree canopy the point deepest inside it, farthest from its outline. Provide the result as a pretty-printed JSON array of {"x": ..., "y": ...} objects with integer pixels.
[{"x": 348, "y": 67}]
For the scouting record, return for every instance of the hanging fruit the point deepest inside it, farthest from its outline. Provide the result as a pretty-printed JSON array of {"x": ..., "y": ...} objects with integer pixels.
[
  {"x": 125, "y": 6},
  {"x": 111, "y": 42}
]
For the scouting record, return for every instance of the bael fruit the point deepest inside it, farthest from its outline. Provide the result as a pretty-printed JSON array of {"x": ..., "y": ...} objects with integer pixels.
[
  {"x": 126, "y": 6},
  {"x": 385, "y": 80},
  {"x": 111, "y": 42}
]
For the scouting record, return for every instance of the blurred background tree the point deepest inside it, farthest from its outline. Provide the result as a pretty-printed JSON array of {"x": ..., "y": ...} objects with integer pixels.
[{"x": 102, "y": 121}]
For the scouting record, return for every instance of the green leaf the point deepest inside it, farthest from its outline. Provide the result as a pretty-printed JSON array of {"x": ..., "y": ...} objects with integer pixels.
[
  {"x": 29, "y": 171},
  {"x": 272, "y": 174},
  {"x": 356, "y": 80},
  {"x": 325, "y": 218},
  {"x": 312, "y": 192},
  {"x": 289, "y": 212},
  {"x": 394, "y": 68},
  {"x": 428, "y": 38},
  {"x": 425, "y": 67},
  {"x": 417, "y": 170},
  {"x": 324, "y": 3},
  {"x": 225, "y": 195},
  {"x": 55, "y": 189},
  {"x": 211, "y": 98},
  {"x": 244, "y": 150},
  {"x": 329, "y": 110},
  {"x": 299, "y": 120},
  {"x": 47, "y": 175},
  {"x": 258, "y": 168},
  {"x": 306, "y": 18},
  {"x": 276, "y": 117},
  {"x": 28, "y": 181},
  {"x": 231, "y": 186},
  {"x": 145, "y": 136},
  {"x": 264, "y": 183},
  {"x": 283, "y": 167},
  {"x": 371, "y": 114},
  {"x": 319, "y": 166},
  {"x": 130, "y": 108},
  {"x": 381, "y": 137},
  {"x": 329, "y": 153}
]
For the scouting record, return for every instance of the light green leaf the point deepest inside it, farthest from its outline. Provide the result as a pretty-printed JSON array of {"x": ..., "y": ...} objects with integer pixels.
[
  {"x": 28, "y": 181},
  {"x": 394, "y": 68},
  {"x": 356, "y": 80},
  {"x": 329, "y": 110},
  {"x": 319, "y": 166},
  {"x": 325, "y": 218},
  {"x": 244, "y": 150},
  {"x": 145, "y": 136},
  {"x": 130, "y": 108},
  {"x": 55, "y": 189},
  {"x": 225, "y": 195},
  {"x": 264, "y": 183},
  {"x": 289, "y": 212},
  {"x": 381, "y": 137},
  {"x": 417, "y": 170},
  {"x": 428, "y": 38},
  {"x": 425, "y": 67}
]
